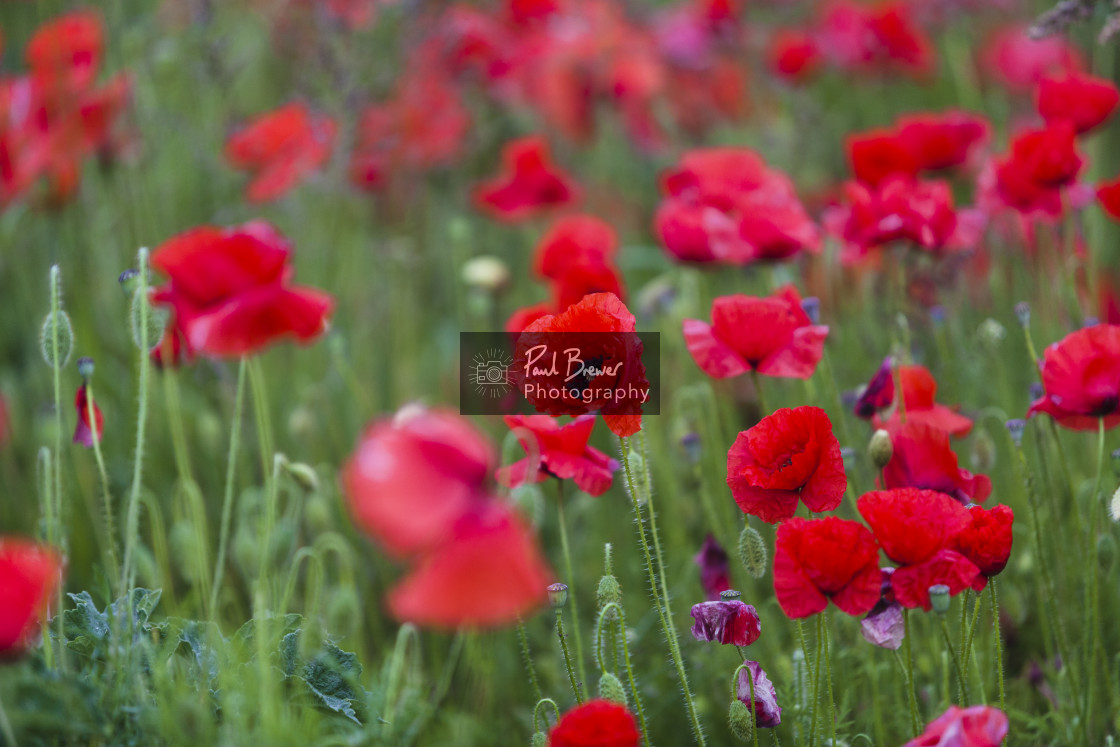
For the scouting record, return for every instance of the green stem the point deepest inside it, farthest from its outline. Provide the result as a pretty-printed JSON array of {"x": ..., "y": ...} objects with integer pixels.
[
  {"x": 571, "y": 580},
  {"x": 961, "y": 677},
  {"x": 626, "y": 656},
  {"x": 527, "y": 660},
  {"x": 828, "y": 674},
  {"x": 173, "y": 405},
  {"x": 966, "y": 652},
  {"x": 567, "y": 656},
  {"x": 998, "y": 644},
  {"x": 666, "y": 624},
  {"x": 107, "y": 499},
  {"x": 817, "y": 681},
  {"x": 55, "y": 535},
  {"x": 1096, "y": 656},
  {"x": 915, "y": 719},
  {"x": 271, "y": 498},
  {"x": 132, "y": 518},
  {"x": 6, "y": 726},
  {"x": 227, "y": 500},
  {"x": 757, "y": 381}
]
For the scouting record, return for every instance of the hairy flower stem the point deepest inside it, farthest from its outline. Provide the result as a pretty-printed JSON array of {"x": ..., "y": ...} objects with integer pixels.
[
  {"x": 915, "y": 719},
  {"x": 998, "y": 640},
  {"x": 6, "y": 726},
  {"x": 626, "y": 656},
  {"x": 1095, "y": 652},
  {"x": 537, "y": 709},
  {"x": 570, "y": 580},
  {"x": 227, "y": 500},
  {"x": 567, "y": 656},
  {"x": 106, "y": 497},
  {"x": 132, "y": 517},
  {"x": 828, "y": 674},
  {"x": 55, "y": 532},
  {"x": 958, "y": 666},
  {"x": 666, "y": 623},
  {"x": 735, "y": 695},
  {"x": 817, "y": 681},
  {"x": 527, "y": 660}
]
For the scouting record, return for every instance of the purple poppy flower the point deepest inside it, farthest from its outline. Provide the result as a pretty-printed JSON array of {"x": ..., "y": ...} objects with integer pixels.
[
  {"x": 767, "y": 713},
  {"x": 731, "y": 623},
  {"x": 879, "y": 392},
  {"x": 884, "y": 626},
  {"x": 714, "y": 568}
]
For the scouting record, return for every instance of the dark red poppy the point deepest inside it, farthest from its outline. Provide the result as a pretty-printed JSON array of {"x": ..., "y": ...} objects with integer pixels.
[
  {"x": 922, "y": 458},
  {"x": 528, "y": 184},
  {"x": 1081, "y": 379},
  {"x": 1082, "y": 100},
  {"x": 574, "y": 241},
  {"x": 793, "y": 55},
  {"x": 279, "y": 149},
  {"x": 986, "y": 541},
  {"x": 788, "y": 456},
  {"x": 726, "y": 205},
  {"x": 875, "y": 155},
  {"x": 820, "y": 559},
  {"x": 731, "y": 623},
  {"x": 752, "y": 680},
  {"x": 560, "y": 451},
  {"x": 230, "y": 293},
  {"x": 84, "y": 431},
  {"x": 65, "y": 53},
  {"x": 581, "y": 323},
  {"x": 919, "y": 389},
  {"x": 714, "y": 568},
  {"x": 412, "y": 477},
  {"x": 596, "y": 723},
  {"x": 975, "y": 726},
  {"x": 487, "y": 573},
  {"x": 1019, "y": 62},
  {"x": 1108, "y": 194},
  {"x": 773, "y": 336},
  {"x": 30, "y": 573},
  {"x": 941, "y": 141},
  {"x": 917, "y": 529}
]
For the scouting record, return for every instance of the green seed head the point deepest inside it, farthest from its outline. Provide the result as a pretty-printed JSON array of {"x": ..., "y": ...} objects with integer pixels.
[{"x": 879, "y": 448}]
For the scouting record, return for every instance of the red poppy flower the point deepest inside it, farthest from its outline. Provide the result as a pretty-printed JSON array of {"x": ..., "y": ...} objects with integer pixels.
[
  {"x": 30, "y": 573},
  {"x": 922, "y": 458},
  {"x": 529, "y": 183},
  {"x": 882, "y": 37},
  {"x": 1081, "y": 379},
  {"x": 986, "y": 541},
  {"x": 412, "y": 477},
  {"x": 523, "y": 317},
  {"x": 900, "y": 208},
  {"x": 793, "y": 55},
  {"x": 773, "y": 336},
  {"x": 280, "y": 148},
  {"x": 767, "y": 713},
  {"x": 65, "y": 53},
  {"x": 1048, "y": 157},
  {"x": 488, "y": 573},
  {"x": 919, "y": 389},
  {"x": 585, "y": 280},
  {"x": 731, "y": 623},
  {"x": 229, "y": 290},
  {"x": 899, "y": 40},
  {"x": 916, "y": 529},
  {"x": 572, "y": 241},
  {"x": 821, "y": 559},
  {"x": 1108, "y": 193},
  {"x": 975, "y": 726},
  {"x": 594, "y": 314},
  {"x": 1019, "y": 62},
  {"x": 83, "y": 432},
  {"x": 726, "y": 205},
  {"x": 714, "y": 568},
  {"x": 787, "y": 456},
  {"x": 873, "y": 156},
  {"x": 941, "y": 141},
  {"x": 559, "y": 451},
  {"x": 596, "y": 723},
  {"x": 1082, "y": 100}
]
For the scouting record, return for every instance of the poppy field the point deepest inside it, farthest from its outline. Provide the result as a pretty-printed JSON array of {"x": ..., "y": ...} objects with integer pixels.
[{"x": 839, "y": 464}]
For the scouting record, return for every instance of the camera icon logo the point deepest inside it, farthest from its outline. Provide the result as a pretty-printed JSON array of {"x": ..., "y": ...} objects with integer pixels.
[{"x": 490, "y": 375}]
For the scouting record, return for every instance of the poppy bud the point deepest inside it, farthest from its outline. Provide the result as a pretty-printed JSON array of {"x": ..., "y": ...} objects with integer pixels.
[
  {"x": 147, "y": 325},
  {"x": 880, "y": 449},
  {"x": 317, "y": 515},
  {"x": 558, "y": 594},
  {"x": 61, "y": 328},
  {"x": 1114, "y": 506},
  {"x": 85, "y": 367},
  {"x": 983, "y": 452},
  {"x": 752, "y": 552},
  {"x": 486, "y": 273},
  {"x": 939, "y": 598},
  {"x": 344, "y": 612},
  {"x": 730, "y": 595},
  {"x": 610, "y": 688},
  {"x": 540, "y": 739},
  {"x": 1015, "y": 428},
  {"x": 609, "y": 591},
  {"x": 1023, "y": 313},
  {"x": 302, "y": 423},
  {"x": 741, "y": 721},
  {"x": 128, "y": 280},
  {"x": 304, "y": 476},
  {"x": 185, "y": 549}
]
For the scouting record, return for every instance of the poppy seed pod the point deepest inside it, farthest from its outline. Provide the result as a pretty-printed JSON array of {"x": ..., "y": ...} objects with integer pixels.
[
  {"x": 486, "y": 273},
  {"x": 558, "y": 595},
  {"x": 85, "y": 367},
  {"x": 879, "y": 448},
  {"x": 939, "y": 598},
  {"x": 730, "y": 595}
]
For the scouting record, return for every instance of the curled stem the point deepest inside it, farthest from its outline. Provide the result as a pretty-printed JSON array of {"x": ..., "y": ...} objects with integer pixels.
[{"x": 537, "y": 709}]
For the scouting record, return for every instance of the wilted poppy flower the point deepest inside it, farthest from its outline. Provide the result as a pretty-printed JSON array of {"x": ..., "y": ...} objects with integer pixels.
[
  {"x": 528, "y": 184},
  {"x": 773, "y": 336},
  {"x": 84, "y": 431},
  {"x": 487, "y": 572},
  {"x": 788, "y": 456},
  {"x": 975, "y": 726},
  {"x": 280, "y": 148},
  {"x": 1081, "y": 379},
  {"x": 29, "y": 575},
  {"x": 820, "y": 559},
  {"x": 918, "y": 391},
  {"x": 1019, "y": 62},
  {"x": 767, "y": 713},
  {"x": 714, "y": 568},
  {"x": 1082, "y": 100},
  {"x": 412, "y": 477},
  {"x": 916, "y": 529},
  {"x": 559, "y": 451},
  {"x": 884, "y": 625},
  {"x": 583, "y": 324},
  {"x": 793, "y": 55},
  {"x": 596, "y": 723},
  {"x": 230, "y": 293},
  {"x": 731, "y": 623},
  {"x": 986, "y": 541},
  {"x": 922, "y": 458}
]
